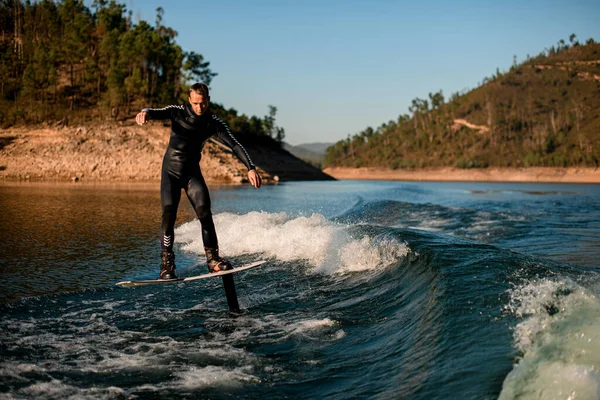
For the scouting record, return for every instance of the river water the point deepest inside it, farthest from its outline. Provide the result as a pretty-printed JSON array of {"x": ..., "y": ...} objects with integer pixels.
[{"x": 371, "y": 290}]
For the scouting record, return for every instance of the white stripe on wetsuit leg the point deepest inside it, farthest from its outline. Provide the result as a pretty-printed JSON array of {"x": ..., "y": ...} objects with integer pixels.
[
  {"x": 167, "y": 241},
  {"x": 235, "y": 140}
]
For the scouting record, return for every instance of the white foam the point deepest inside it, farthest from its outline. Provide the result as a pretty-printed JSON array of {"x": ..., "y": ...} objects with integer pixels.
[
  {"x": 85, "y": 345},
  {"x": 552, "y": 381},
  {"x": 307, "y": 328},
  {"x": 277, "y": 328},
  {"x": 15, "y": 371},
  {"x": 55, "y": 389},
  {"x": 432, "y": 224},
  {"x": 559, "y": 338},
  {"x": 197, "y": 378},
  {"x": 329, "y": 247}
]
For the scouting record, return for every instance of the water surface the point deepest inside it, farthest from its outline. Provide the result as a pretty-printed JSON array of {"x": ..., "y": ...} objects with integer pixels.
[{"x": 371, "y": 290}]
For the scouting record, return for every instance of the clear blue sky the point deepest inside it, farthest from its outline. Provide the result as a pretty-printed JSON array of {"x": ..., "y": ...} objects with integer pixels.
[{"x": 334, "y": 67}]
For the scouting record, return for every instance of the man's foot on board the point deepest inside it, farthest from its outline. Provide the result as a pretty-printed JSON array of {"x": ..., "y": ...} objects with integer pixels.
[
  {"x": 167, "y": 268},
  {"x": 216, "y": 263}
]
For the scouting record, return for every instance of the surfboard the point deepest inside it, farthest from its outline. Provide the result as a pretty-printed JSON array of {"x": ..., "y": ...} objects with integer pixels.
[{"x": 190, "y": 278}]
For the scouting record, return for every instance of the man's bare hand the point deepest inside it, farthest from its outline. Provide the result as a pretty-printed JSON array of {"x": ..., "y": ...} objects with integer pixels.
[
  {"x": 254, "y": 178},
  {"x": 141, "y": 118}
]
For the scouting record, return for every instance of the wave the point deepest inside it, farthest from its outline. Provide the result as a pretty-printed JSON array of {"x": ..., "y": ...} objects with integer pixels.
[
  {"x": 474, "y": 224},
  {"x": 328, "y": 247},
  {"x": 559, "y": 341}
]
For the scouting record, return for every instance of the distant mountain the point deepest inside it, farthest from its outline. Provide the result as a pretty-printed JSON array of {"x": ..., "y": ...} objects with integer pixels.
[
  {"x": 310, "y": 152},
  {"x": 319, "y": 148}
]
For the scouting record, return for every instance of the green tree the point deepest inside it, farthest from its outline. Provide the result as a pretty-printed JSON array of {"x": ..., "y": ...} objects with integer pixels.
[
  {"x": 437, "y": 100},
  {"x": 110, "y": 25},
  {"x": 270, "y": 126},
  {"x": 269, "y": 122},
  {"x": 195, "y": 69},
  {"x": 76, "y": 33},
  {"x": 572, "y": 39}
]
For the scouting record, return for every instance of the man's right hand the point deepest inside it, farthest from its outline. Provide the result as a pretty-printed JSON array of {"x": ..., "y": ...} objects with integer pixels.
[
  {"x": 141, "y": 118},
  {"x": 254, "y": 178}
]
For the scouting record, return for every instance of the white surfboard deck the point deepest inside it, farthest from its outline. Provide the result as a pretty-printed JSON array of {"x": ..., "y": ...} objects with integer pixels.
[{"x": 190, "y": 278}]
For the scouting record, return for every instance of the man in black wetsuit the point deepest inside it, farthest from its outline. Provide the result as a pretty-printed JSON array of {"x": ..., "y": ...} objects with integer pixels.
[{"x": 191, "y": 125}]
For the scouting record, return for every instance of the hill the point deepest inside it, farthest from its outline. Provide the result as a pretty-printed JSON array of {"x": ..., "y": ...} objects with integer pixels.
[
  {"x": 317, "y": 147},
  {"x": 544, "y": 112},
  {"x": 313, "y": 153}
]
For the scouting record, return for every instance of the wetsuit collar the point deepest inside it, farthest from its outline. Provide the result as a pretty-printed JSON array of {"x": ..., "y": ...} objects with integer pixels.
[{"x": 191, "y": 117}]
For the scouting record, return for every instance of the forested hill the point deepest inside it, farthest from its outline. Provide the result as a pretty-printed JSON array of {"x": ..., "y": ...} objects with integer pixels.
[
  {"x": 63, "y": 63},
  {"x": 545, "y": 111}
]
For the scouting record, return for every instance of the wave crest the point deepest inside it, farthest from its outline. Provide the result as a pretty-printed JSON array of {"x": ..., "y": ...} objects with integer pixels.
[
  {"x": 327, "y": 246},
  {"x": 559, "y": 340}
]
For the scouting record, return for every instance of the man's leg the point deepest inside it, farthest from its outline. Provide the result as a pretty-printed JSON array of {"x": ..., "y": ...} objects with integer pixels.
[
  {"x": 197, "y": 193},
  {"x": 170, "y": 194}
]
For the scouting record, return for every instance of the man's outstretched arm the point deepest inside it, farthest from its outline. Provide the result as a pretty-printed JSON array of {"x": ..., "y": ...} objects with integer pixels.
[
  {"x": 225, "y": 135},
  {"x": 155, "y": 114}
]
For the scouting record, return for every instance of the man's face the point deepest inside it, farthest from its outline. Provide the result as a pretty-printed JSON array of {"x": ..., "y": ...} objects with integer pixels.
[{"x": 199, "y": 102}]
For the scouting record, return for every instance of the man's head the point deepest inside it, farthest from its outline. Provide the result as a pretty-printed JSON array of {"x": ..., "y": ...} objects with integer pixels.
[{"x": 199, "y": 98}]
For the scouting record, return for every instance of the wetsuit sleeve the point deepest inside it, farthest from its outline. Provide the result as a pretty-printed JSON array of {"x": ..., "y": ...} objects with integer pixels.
[
  {"x": 225, "y": 135},
  {"x": 162, "y": 113}
]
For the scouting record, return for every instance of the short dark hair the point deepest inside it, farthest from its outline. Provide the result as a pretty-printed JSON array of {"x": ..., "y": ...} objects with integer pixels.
[{"x": 199, "y": 88}]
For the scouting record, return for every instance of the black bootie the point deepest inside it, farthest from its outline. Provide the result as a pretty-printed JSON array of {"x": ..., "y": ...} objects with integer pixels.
[
  {"x": 214, "y": 261},
  {"x": 167, "y": 268}
]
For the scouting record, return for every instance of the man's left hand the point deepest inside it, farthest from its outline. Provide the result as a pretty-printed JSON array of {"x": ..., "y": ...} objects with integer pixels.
[{"x": 254, "y": 178}]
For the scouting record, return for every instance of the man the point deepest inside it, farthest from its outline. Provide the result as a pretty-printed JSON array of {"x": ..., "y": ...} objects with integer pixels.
[{"x": 191, "y": 125}]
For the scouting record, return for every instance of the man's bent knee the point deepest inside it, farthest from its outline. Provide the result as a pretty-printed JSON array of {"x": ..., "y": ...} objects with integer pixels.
[
  {"x": 168, "y": 212},
  {"x": 203, "y": 212}
]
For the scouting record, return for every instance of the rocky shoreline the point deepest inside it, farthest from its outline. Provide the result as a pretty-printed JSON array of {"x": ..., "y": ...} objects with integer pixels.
[
  {"x": 126, "y": 152},
  {"x": 537, "y": 174}
]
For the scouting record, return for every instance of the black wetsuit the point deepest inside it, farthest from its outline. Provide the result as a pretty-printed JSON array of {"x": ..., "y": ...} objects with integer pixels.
[{"x": 181, "y": 166}]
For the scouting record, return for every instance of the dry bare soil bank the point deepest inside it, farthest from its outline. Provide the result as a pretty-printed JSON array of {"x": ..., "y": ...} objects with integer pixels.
[{"x": 128, "y": 153}]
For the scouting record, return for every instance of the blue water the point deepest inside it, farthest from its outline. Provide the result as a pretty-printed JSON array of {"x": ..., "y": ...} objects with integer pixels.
[{"x": 372, "y": 290}]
